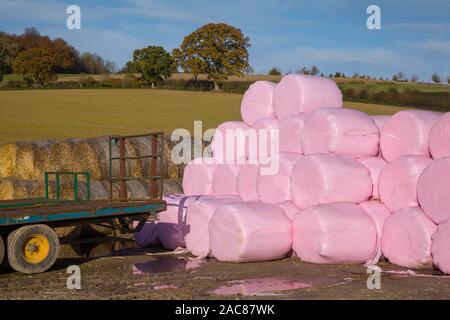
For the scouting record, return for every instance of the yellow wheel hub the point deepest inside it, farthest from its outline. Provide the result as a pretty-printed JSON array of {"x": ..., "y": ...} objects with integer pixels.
[{"x": 36, "y": 249}]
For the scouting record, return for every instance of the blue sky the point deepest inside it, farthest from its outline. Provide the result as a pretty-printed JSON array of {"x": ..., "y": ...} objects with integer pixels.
[{"x": 332, "y": 34}]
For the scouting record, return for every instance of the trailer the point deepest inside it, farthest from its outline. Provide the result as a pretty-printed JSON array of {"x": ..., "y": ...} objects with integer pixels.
[{"x": 28, "y": 241}]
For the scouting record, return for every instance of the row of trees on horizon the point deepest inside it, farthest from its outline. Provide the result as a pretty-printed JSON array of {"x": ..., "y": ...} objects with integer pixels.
[{"x": 217, "y": 50}]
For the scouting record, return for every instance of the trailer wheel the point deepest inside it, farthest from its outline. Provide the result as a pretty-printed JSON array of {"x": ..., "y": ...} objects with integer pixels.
[
  {"x": 2, "y": 250},
  {"x": 32, "y": 249}
]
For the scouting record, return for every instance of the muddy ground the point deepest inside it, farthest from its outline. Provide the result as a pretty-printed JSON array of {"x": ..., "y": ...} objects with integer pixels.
[{"x": 117, "y": 270}]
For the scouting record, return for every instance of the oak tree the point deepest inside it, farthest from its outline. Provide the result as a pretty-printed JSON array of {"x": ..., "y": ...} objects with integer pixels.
[{"x": 216, "y": 49}]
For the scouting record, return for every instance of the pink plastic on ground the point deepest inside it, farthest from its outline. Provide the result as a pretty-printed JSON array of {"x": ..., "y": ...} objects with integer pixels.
[
  {"x": 380, "y": 120},
  {"x": 199, "y": 214},
  {"x": 291, "y": 130},
  {"x": 230, "y": 144},
  {"x": 334, "y": 233},
  {"x": 397, "y": 183},
  {"x": 406, "y": 238},
  {"x": 246, "y": 182},
  {"x": 440, "y": 137},
  {"x": 305, "y": 94},
  {"x": 342, "y": 131},
  {"x": 325, "y": 178},
  {"x": 225, "y": 180},
  {"x": 289, "y": 208},
  {"x": 198, "y": 177},
  {"x": 264, "y": 129},
  {"x": 379, "y": 213},
  {"x": 433, "y": 190},
  {"x": 375, "y": 165},
  {"x": 171, "y": 225},
  {"x": 277, "y": 188},
  {"x": 148, "y": 235},
  {"x": 440, "y": 247},
  {"x": 257, "y": 102},
  {"x": 250, "y": 231},
  {"x": 406, "y": 133}
]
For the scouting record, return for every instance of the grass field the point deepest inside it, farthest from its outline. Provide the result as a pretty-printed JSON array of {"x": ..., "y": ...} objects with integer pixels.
[{"x": 52, "y": 114}]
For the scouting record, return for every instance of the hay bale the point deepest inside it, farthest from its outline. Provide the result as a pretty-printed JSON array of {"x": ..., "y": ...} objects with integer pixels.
[
  {"x": 13, "y": 188},
  {"x": 85, "y": 158},
  {"x": 8, "y": 155},
  {"x": 25, "y": 163}
]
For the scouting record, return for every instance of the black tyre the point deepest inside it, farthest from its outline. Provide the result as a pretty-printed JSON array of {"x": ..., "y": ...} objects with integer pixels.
[
  {"x": 2, "y": 250},
  {"x": 32, "y": 249}
]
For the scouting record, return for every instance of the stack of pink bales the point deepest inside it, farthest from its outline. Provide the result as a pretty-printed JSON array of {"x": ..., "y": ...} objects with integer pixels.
[{"x": 312, "y": 179}]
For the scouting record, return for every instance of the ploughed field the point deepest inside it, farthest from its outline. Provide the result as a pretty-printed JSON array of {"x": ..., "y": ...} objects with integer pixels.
[{"x": 53, "y": 114}]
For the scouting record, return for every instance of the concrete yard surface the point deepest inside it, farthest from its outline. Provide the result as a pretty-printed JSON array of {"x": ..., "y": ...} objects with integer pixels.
[{"x": 117, "y": 270}]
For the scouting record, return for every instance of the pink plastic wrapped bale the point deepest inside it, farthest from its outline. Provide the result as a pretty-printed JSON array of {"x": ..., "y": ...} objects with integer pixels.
[
  {"x": 334, "y": 233},
  {"x": 406, "y": 133},
  {"x": 289, "y": 208},
  {"x": 342, "y": 131},
  {"x": 225, "y": 180},
  {"x": 305, "y": 94},
  {"x": 440, "y": 247},
  {"x": 257, "y": 102},
  {"x": 267, "y": 135},
  {"x": 171, "y": 225},
  {"x": 148, "y": 235},
  {"x": 379, "y": 213},
  {"x": 440, "y": 137},
  {"x": 199, "y": 214},
  {"x": 397, "y": 183},
  {"x": 230, "y": 143},
  {"x": 291, "y": 130},
  {"x": 198, "y": 177},
  {"x": 246, "y": 182},
  {"x": 406, "y": 238},
  {"x": 433, "y": 190},
  {"x": 374, "y": 165},
  {"x": 380, "y": 120},
  {"x": 276, "y": 188},
  {"x": 250, "y": 231},
  {"x": 325, "y": 178}
]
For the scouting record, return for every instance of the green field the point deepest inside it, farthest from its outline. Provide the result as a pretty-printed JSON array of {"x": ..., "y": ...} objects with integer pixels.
[{"x": 52, "y": 114}]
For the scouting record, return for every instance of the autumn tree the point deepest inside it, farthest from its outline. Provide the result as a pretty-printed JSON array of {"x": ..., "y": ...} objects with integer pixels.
[
  {"x": 37, "y": 65},
  {"x": 216, "y": 49},
  {"x": 153, "y": 63}
]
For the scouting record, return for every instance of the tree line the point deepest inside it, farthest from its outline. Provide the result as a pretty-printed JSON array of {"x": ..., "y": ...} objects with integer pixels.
[
  {"x": 39, "y": 58},
  {"x": 215, "y": 49}
]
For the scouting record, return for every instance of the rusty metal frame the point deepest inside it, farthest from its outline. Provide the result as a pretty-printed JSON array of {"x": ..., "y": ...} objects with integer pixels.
[{"x": 156, "y": 172}]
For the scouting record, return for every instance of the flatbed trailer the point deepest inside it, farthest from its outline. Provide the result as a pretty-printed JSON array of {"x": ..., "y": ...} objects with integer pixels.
[{"x": 27, "y": 225}]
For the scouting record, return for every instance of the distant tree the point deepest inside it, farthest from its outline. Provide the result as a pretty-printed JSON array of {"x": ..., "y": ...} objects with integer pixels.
[
  {"x": 110, "y": 66},
  {"x": 414, "y": 78},
  {"x": 394, "y": 77},
  {"x": 314, "y": 71},
  {"x": 37, "y": 65},
  {"x": 343, "y": 75},
  {"x": 303, "y": 70},
  {"x": 448, "y": 79},
  {"x": 337, "y": 74},
  {"x": 400, "y": 76},
  {"x": 436, "y": 78},
  {"x": 153, "y": 63},
  {"x": 66, "y": 55},
  {"x": 92, "y": 63},
  {"x": 275, "y": 71},
  {"x": 330, "y": 75},
  {"x": 218, "y": 50}
]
